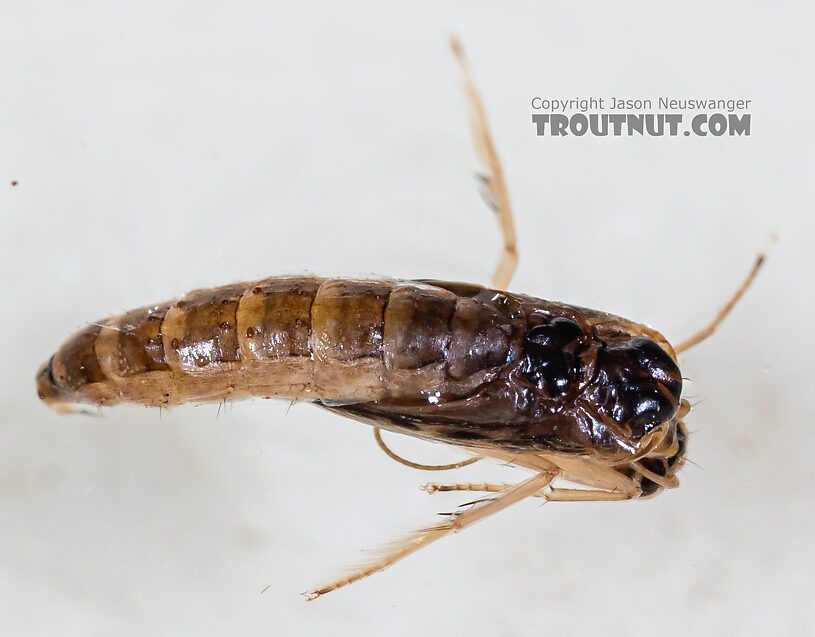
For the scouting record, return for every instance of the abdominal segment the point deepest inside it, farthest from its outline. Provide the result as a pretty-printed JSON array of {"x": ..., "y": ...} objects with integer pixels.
[{"x": 339, "y": 341}]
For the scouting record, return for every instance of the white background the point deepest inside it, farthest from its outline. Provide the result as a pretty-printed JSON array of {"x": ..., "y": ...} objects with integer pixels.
[{"x": 165, "y": 146}]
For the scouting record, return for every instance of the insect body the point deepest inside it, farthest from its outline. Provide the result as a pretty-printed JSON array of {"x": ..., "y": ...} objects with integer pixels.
[
  {"x": 589, "y": 402},
  {"x": 452, "y": 362}
]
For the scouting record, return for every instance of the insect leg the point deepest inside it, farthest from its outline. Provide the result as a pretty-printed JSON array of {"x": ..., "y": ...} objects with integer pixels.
[
  {"x": 493, "y": 181},
  {"x": 588, "y": 495},
  {"x": 552, "y": 495},
  {"x": 669, "y": 481},
  {"x": 574, "y": 469},
  {"x": 435, "y": 487},
  {"x": 415, "y": 465},
  {"x": 723, "y": 312},
  {"x": 456, "y": 523}
]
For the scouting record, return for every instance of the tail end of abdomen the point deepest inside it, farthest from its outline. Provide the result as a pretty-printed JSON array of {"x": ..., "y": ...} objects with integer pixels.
[
  {"x": 73, "y": 375},
  {"x": 47, "y": 389}
]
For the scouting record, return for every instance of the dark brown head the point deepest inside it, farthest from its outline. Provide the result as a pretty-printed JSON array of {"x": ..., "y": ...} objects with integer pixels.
[
  {"x": 636, "y": 386},
  {"x": 613, "y": 386}
]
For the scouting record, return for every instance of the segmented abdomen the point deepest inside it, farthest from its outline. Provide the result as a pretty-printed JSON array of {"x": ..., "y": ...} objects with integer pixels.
[{"x": 336, "y": 340}]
